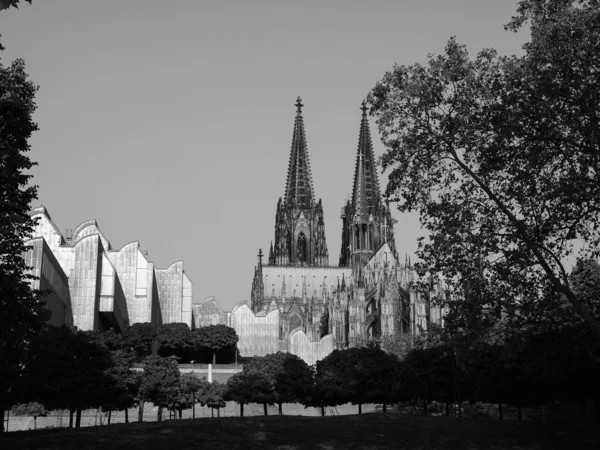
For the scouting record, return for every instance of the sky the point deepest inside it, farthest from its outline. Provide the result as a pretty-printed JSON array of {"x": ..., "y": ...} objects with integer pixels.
[{"x": 170, "y": 123}]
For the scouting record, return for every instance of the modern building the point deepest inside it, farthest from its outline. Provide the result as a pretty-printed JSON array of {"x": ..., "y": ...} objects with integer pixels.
[{"x": 95, "y": 287}]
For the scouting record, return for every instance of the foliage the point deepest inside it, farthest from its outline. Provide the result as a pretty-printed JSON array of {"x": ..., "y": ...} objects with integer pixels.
[
  {"x": 500, "y": 158},
  {"x": 67, "y": 369},
  {"x": 289, "y": 378},
  {"x": 160, "y": 381},
  {"x": 4, "y": 4},
  {"x": 356, "y": 375},
  {"x": 249, "y": 386},
  {"x": 23, "y": 312},
  {"x": 174, "y": 339},
  {"x": 212, "y": 395},
  {"x": 215, "y": 337},
  {"x": 139, "y": 337},
  {"x": 31, "y": 409}
]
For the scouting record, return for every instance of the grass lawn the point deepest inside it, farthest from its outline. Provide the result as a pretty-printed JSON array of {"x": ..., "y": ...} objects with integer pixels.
[{"x": 369, "y": 431}]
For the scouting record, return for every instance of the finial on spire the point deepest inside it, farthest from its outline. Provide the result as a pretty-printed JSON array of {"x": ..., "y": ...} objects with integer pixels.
[
  {"x": 299, "y": 105},
  {"x": 260, "y": 255},
  {"x": 364, "y": 107}
]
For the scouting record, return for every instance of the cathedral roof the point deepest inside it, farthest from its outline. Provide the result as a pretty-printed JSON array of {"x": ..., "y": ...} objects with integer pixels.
[
  {"x": 299, "y": 186},
  {"x": 365, "y": 191}
]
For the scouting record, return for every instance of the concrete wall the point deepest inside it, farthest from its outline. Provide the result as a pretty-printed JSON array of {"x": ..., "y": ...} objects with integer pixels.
[
  {"x": 308, "y": 350},
  {"x": 208, "y": 312},
  {"x": 259, "y": 334}
]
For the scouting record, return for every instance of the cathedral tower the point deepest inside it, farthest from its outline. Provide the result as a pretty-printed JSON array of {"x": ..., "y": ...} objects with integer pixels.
[
  {"x": 299, "y": 225},
  {"x": 367, "y": 222}
]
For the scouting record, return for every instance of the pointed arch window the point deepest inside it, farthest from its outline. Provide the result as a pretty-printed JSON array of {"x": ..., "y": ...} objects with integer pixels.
[{"x": 301, "y": 248}]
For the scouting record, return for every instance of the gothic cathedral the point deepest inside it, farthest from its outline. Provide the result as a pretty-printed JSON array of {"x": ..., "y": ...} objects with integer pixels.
[{"x": 368, "y": 294}]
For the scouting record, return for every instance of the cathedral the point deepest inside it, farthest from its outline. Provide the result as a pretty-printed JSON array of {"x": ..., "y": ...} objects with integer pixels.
[{"x": 368, "y": 293}]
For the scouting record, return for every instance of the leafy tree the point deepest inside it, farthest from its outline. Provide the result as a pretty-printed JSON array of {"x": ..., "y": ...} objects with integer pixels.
[
  {"x": 333, "y": 380},
  {"x": 139, "y": 337},
  {"x": 124, "y": 383},
  {"x": 190, "y": 388},
  {"x": 4, "y": 4},
  {"x": 500, "y": 158},
  {"x": 215, "y": 337},
  {"x": 289, "y": 377},
  {"x": 31, "y": 409},
  {"x": 248, "y": 386},
  {"x": 174, "y": 339},
  {"x": 23, "y": 312},
  {"x": 212, "y": 395},
  {"x": 160, "y": 382},
  {"x": 67, "y": 369}
]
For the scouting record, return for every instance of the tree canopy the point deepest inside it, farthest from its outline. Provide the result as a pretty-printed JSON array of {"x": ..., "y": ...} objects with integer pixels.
[
  {"x": 215, "y": 337},
  {"x": 500, "y": 156},
  {"x": 23, "y": 312}
]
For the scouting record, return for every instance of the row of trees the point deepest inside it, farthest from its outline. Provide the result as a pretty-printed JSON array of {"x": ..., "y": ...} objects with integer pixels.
[
  {"x": 203, "y": 344},
  {"x": 73, "y": 370}
]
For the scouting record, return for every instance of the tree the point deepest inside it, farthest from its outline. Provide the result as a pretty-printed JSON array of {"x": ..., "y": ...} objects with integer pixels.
[
  {"x": 31, "y": 409},
  {"x": 139, "y": 337},
  {"x": 125, "y": 383},
  {"x": 190, "y": 388},
  {"x": 174, "y": 339},
  {"x": 67, "y": 369},
  {"x": 160, "y": 382},
  {"x": 289, "y": 377},
  {"x": 500, "y": 157},
  {"x": 23, "y": 312},
  {"x": 215, "y": 337},
  {"x": 212, "y": 395},
  {"x": 333, "y": 380},
  {"x": 4, "y": 4},
  {"x": 246, "y": 387}
]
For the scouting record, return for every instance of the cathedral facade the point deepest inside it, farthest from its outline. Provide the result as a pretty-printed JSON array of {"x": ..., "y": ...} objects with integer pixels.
[{"x": 368, "y": 293}]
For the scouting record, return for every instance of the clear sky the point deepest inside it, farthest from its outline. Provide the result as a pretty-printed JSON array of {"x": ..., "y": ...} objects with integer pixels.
[{"x": 170, "y": 123}]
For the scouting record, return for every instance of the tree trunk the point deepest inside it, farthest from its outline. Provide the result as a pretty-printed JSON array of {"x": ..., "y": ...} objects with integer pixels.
[
  {"x": 193, "y": 405},
  {"x": 280, "y": 409},
  {"x": 424, "y": 407},
  {"x": 385, "y": 408},
  {"x": 180, "y": 413},
  {"x": 322, "y": 411},
  {"x": 35, "y": 422},
  {"x": 212, "y": 412},
  {"x": 219, "y": 412},
  {"x": 71, "y": 412},
  {"x": 78, "y": 418},
  {"x": 159, "y": 414},
  {"x": 2, "y": 430},
  {"x": 360, "y": 408},
  {"x": 447, "y": 409},
  {"x": 241, "y": 410},
  {"x": 519, "y": 413},
  {"x": 126, "y": 415},
  {"x": 265, "y": 408},
  {"x": 109, "y": 414},
  {"x": 100, "y": 414},
  {"x": 500, "y": 412},
  {"x": 141, "y": 412},
  {"x": 214, "y": 357}
]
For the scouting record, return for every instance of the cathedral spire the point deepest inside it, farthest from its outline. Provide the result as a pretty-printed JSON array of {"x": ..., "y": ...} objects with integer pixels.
[
  {"x": 365, "y": 192},
  {"x": 299, "y": 186}
]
